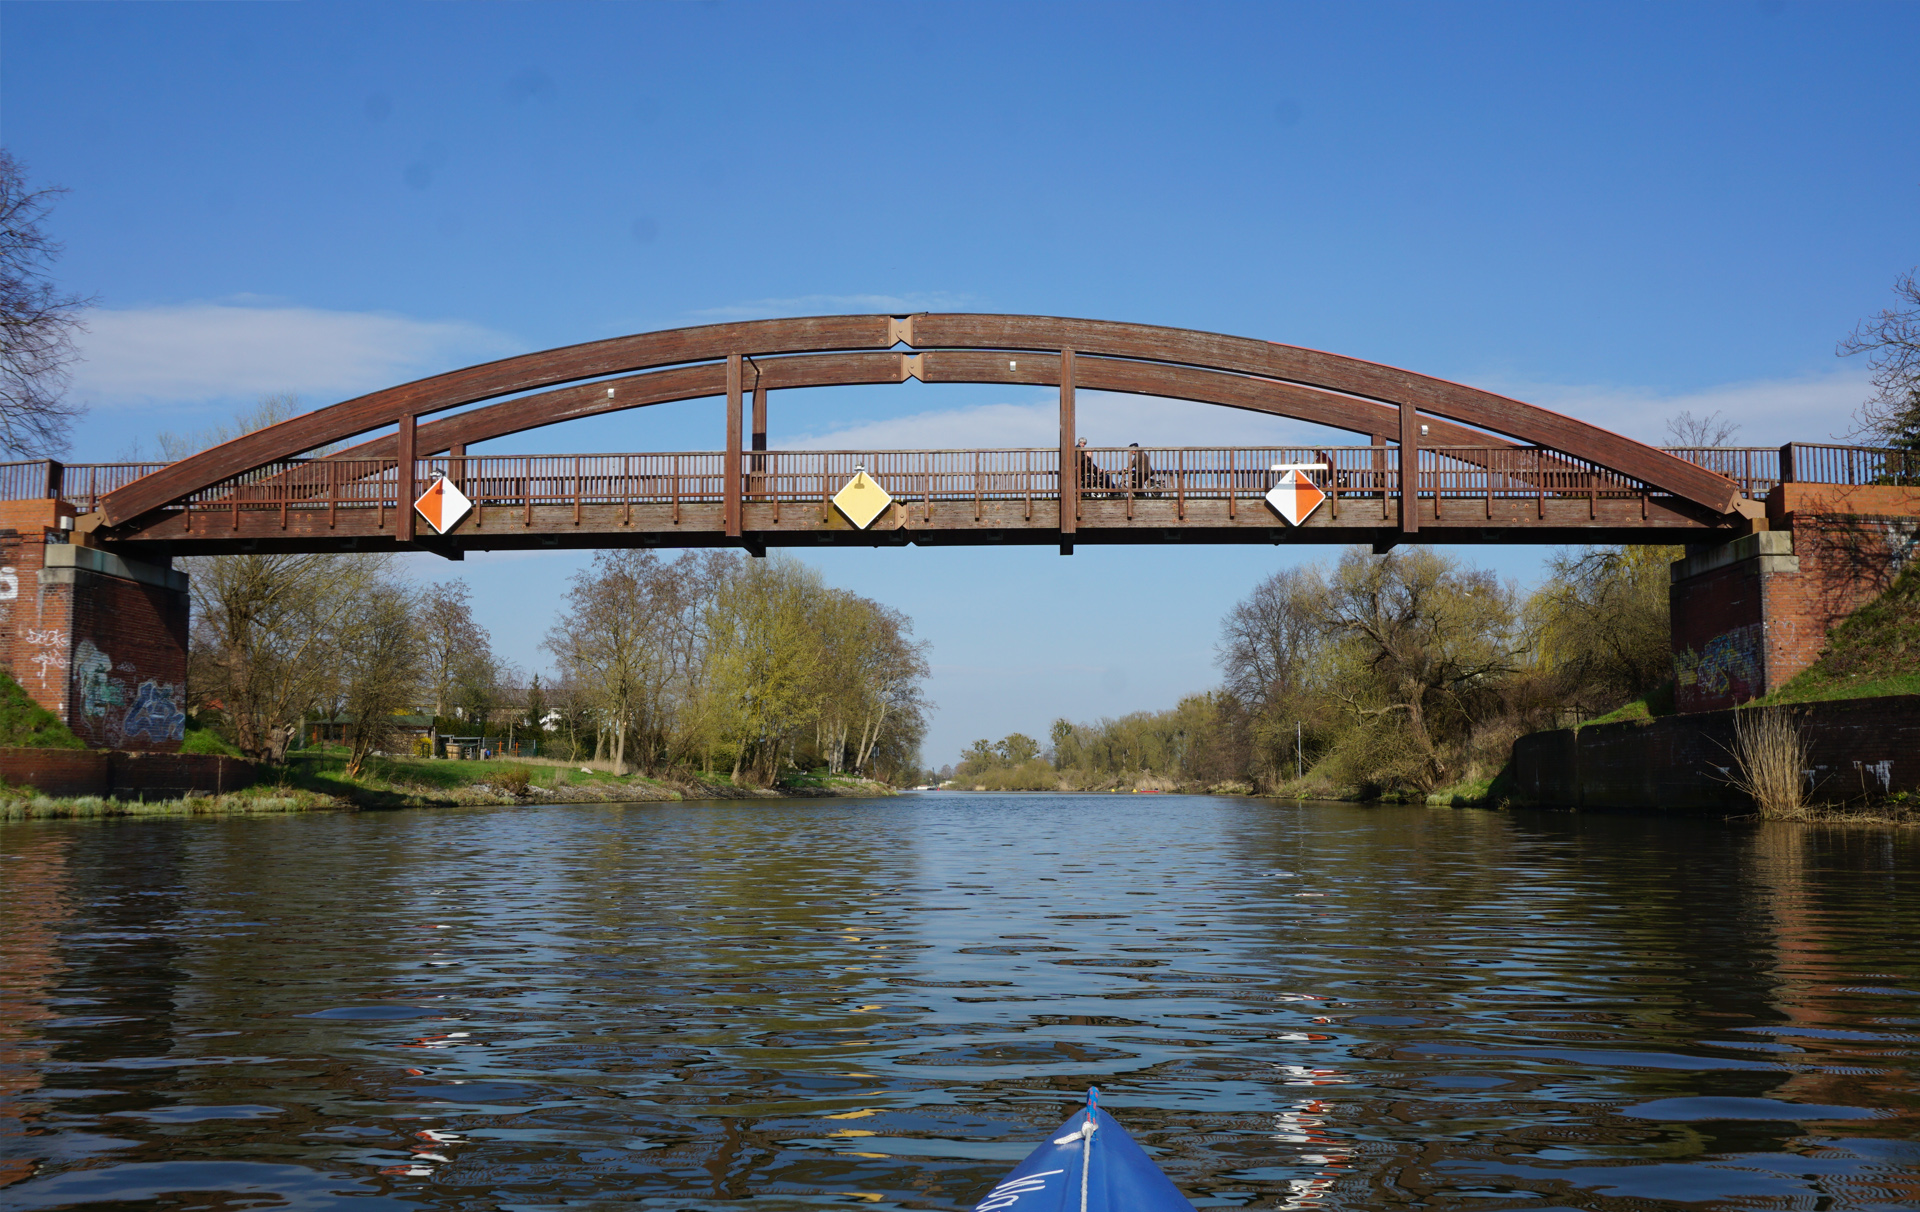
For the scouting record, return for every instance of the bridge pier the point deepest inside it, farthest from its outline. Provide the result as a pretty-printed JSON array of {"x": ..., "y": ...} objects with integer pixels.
[
  {"x": 98, "y": 639},
  {"x": 1751, "y": 614}
]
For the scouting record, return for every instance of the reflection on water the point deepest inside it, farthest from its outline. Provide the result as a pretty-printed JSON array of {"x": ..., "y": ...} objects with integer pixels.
[{"x": 885, "y": 1004}]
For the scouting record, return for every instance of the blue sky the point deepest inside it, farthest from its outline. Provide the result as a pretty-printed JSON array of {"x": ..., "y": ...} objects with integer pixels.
[{"x": 1615, "y": 210}]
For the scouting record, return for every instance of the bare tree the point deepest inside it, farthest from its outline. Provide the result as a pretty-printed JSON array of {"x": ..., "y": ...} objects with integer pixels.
[
  {"x": 382, "y": 660},
  {"x": 458, "y": 654},
  {"x": 1601, "y": 622},
  {"x": 1268, "y": 641},
  {"x": 37, "y": 322},
  {"x": 266, "y": 636},
  {"x": 267, "y": 410},
  {"x": 1891, "y": 341},
  {"x": 1713, "y": 430}
]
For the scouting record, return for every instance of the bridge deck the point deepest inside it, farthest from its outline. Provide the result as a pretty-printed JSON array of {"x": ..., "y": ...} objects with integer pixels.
[{"x": 1127, "y": 495}]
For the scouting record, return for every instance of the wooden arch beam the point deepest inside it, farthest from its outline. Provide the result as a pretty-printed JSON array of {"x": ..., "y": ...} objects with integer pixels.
[
  {"x": 938, "y": 366},
  {"x": 1349, "y": 376},
  {"x": 1167, "y": 357}
]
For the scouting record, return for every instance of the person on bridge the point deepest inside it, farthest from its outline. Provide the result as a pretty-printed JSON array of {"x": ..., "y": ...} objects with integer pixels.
[
  {"x": 1091, "y": 477},
  {"x": 1141, "y": 470}
]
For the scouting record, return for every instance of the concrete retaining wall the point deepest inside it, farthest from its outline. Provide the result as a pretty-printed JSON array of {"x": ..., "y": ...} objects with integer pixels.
[
  {"x": 74, "y": 772},
  {"x": 1679, "y": 763}
]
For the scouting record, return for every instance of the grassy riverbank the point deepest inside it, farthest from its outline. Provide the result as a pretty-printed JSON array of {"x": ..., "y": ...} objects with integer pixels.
[
  {"x": 316, "y": 780},
  {"x": 255, "y": 801}
]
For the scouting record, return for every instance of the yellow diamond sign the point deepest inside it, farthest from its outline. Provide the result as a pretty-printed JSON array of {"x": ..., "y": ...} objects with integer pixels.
[{"x": 861, "y": 499}]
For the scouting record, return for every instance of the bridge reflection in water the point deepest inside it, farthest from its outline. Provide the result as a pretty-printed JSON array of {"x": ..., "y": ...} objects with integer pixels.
[{"x": 1126, "y": 494}]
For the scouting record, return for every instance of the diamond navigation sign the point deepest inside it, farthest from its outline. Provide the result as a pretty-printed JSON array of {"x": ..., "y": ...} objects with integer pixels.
[
  {"x": 1295, "y": 496},
  {"x": 443, "y": 506},
  {"x": 862, "y": 500}
]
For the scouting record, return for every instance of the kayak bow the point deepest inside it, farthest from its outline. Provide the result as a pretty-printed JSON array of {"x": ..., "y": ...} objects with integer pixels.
[{"x": 1090, "y": 1165}]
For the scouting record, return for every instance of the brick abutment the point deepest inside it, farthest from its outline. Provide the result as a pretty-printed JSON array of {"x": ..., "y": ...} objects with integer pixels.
[
  {"x": 98, "y": 640},
  {"x": 1751, "y": 614}
]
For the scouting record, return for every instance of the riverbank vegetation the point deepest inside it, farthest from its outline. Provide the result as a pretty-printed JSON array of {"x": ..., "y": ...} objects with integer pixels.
[
  {"x": 752, "y": 669},
  {"x": 1410, "y": 676},
  {"x": 707, "y": 667},
  {"x": 1403, "y": 675}
]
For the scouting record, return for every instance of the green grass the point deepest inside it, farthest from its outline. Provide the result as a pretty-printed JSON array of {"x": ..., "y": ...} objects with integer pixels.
[
  {"x": 254, "y": 801},
  {"x": 395, "y": 781},
  {"x": 24, "y": 722},
  {"x": 1468, "y": 793},
  {"x": 1811, "y": 687},
  {"x": 1875, "y": 651},
  {"x": 206, "y": 740},
  {"x": 1653, "y": 705}
]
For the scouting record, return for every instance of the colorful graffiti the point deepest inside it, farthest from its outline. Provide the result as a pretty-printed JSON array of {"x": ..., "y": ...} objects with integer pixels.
[
  {"x": 93, "y": 678},
  {"x": 156, "y": 713},
  {"x": 104, "y": 712},
  {"x": 1728, "y": 661}
]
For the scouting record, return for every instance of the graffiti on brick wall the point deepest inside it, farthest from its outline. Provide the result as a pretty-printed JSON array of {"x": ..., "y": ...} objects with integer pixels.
[
  {"x": 9, "y": 583},
  {"x": 1726, "y": 664},
  {"x": 108, "y": 713},
  {"x": 156, "y": 713},
  {"x": 93, "y": 678},
  {"x": 50, "y": 648}
]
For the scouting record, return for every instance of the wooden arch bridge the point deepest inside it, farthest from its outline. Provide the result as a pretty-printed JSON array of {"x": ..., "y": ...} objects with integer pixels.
[{"x": 1438, "y": 460}]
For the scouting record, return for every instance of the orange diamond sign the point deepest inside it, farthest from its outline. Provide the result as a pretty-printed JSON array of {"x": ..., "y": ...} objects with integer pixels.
[
  {"x": 443, "y": 505},
  {"x": 1295, "y": 496}
]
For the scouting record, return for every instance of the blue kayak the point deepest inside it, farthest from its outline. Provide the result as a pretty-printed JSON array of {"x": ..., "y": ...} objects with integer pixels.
[{"x": 1089, "y": 1165}]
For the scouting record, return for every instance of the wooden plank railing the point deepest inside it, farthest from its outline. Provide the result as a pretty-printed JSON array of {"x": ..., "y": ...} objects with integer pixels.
[{"x": 789, "y": 477}]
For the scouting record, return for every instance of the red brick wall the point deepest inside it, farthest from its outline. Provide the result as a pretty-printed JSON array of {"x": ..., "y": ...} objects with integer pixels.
[
  {"x": 1846, "y": 561},
  {"x": 75, "y": 772},
  {"x": 106, "y": 654},
  {"x": 129, "y": 665},
  {"x": 1747, "y": 628},
  {"x": 37, "y": 660},
  {"x": 1719, "y": 627}
]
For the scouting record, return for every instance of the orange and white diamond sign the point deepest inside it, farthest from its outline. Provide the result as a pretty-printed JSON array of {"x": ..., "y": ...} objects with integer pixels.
[
  {"x": 862, "y": 500},
  {"x": 1295, "y": 496},
  {"x": 443, "y": 505}
]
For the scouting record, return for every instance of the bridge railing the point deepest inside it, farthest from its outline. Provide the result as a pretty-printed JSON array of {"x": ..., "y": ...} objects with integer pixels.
[
  {"x": 1756, "y": 469},
  {"x": 1180, "y": 473},
  {"x": 1809, "y": 463},
  {"x": 787, "y": 476}
]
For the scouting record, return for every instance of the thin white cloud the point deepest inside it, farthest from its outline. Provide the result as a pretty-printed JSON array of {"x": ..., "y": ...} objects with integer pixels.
[
  {"x": 202, "y": 353},
  {"x": 833, "y": 305},
  {"x": 1817, "y": 408},
  {"x": 1104, "y": 418},
  {"x": 1810, "y": 408}
]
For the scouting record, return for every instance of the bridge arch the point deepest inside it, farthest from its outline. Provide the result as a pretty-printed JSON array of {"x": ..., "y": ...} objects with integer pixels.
[{"x": 677, "y": 364}]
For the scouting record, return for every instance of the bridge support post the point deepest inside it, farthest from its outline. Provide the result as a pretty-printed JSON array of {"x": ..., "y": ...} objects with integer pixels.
[
  {"x": 1069, "y": 458},
  {"x": 405, "y": 488},
  {"x": 1409, "y": 470},
  {"x": 730, "y": 472},
  {"x": 97, "y": 639}
]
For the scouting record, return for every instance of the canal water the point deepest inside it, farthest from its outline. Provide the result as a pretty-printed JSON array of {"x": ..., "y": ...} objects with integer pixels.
[{"x": 886, "y": 1004}]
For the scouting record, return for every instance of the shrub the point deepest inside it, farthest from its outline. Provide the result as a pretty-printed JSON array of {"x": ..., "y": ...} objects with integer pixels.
[
  {"x": 1769, "y": 760},
  {"x": 26, "y": 723},
  {"x": 513, "y": 780},
  {"x": 206, "y": 740}
]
